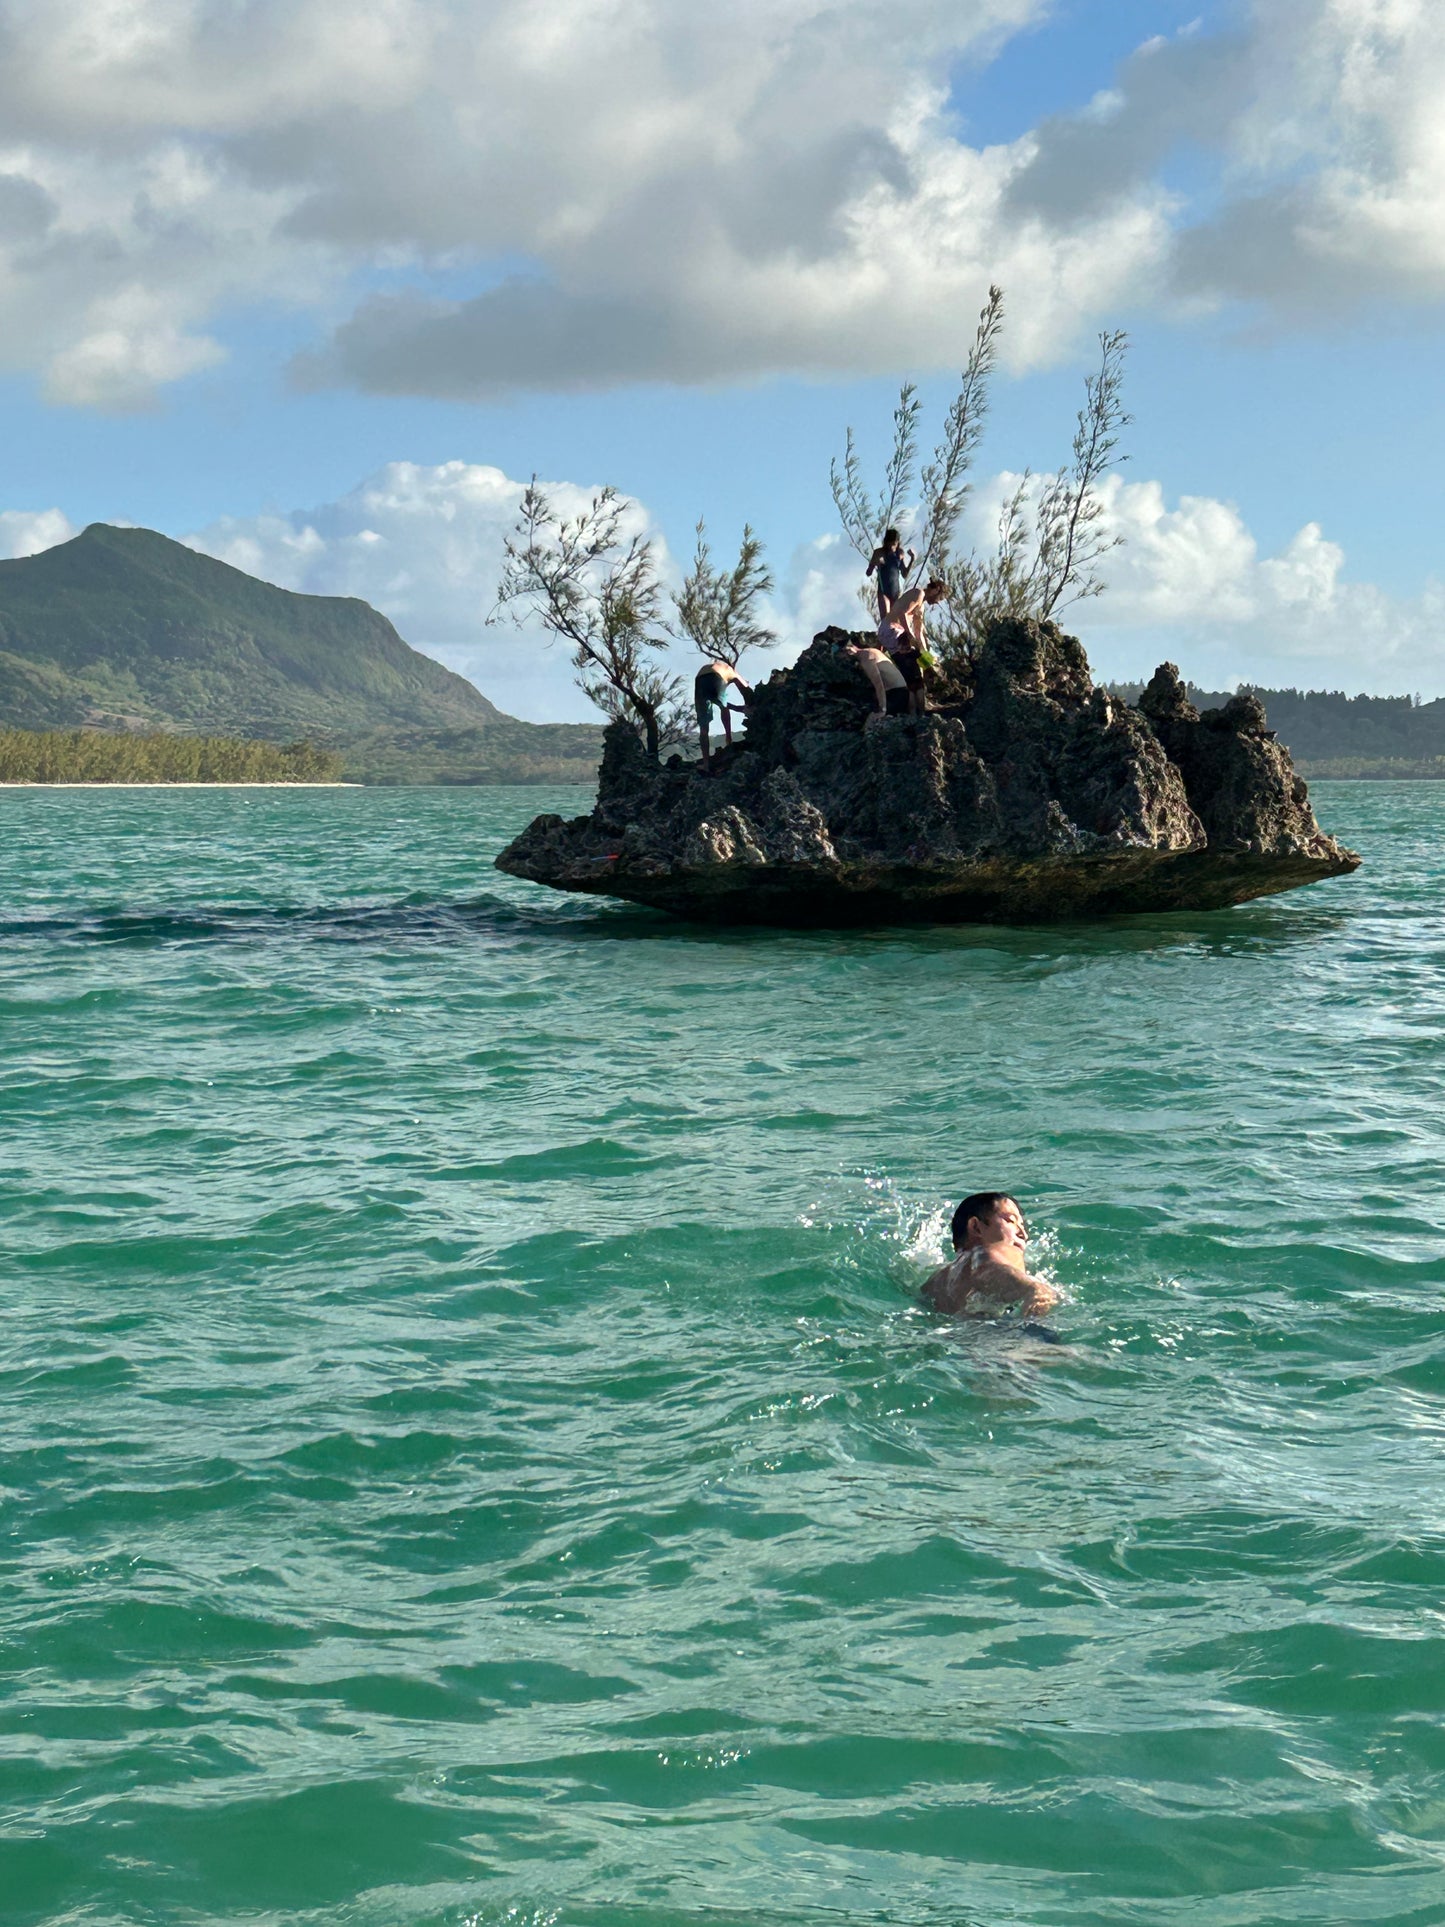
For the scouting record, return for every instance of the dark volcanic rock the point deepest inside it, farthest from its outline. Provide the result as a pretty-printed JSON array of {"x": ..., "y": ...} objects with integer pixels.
[{"x": 1039, "y": 798}]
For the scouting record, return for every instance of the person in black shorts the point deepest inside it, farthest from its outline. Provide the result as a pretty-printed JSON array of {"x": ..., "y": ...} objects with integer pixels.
[
  {"x": 885, "y": 676},
  {"x": 900, "y": 632},
  {"x": 910, "y": 667},
  {"x": 709, "y": 692}
]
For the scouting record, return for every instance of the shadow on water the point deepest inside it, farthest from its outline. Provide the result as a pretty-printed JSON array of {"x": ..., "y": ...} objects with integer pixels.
[
  {"x": 411, "y": 922},
  {"x": 1261, "y": 925},
  {"x": 1268, "y": 924}
]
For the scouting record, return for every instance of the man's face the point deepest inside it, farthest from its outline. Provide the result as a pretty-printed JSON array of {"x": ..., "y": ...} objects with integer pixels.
[{"x": 1005, "y": 1227}]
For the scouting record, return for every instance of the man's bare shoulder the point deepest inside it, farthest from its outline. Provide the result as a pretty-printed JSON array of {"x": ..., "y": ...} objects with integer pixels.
[
  {"x": 975, "y": 1285},
  {"x": 954, "y": 1283}
]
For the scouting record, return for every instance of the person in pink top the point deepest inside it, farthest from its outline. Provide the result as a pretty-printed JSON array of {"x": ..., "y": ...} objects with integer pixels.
[{"x": 900, "y": 632}]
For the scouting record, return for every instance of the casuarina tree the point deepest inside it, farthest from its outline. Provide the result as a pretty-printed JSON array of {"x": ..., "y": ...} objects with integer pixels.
[
  {"x": 718, "y": 608},
  {"x": 930, "y": 502},
  {"x": 1052, "y": 535},
  {"x": 594, "y": 585}
]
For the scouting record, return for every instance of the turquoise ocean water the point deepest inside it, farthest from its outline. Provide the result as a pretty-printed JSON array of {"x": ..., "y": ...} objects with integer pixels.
[{"x": 471, "y": 1456}]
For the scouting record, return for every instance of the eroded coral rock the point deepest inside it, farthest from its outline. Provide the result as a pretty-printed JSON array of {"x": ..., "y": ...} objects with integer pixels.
[{"x": 1039, "y": 798}]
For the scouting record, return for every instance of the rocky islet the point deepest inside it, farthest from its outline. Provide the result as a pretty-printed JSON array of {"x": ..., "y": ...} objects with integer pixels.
[{"x": 1034, "y": 797}]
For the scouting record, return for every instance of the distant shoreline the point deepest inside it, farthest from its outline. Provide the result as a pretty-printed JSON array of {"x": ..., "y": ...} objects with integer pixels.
[{"x": 227, "y": 783}]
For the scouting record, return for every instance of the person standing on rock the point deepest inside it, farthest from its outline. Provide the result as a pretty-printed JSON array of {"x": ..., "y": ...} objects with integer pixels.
[
  {"x": 891, "y": 566},
  {"x": 986, "y": 1278},
  {"x": 904, "y": 618},
  {"x": 900, "y": 632},
  {"x": 710, "y": 692},
  {"x": 884, "y": 674}
]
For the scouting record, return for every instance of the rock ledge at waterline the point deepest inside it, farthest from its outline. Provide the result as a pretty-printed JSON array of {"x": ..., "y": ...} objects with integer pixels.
[{"x": 1037, "y": 798}]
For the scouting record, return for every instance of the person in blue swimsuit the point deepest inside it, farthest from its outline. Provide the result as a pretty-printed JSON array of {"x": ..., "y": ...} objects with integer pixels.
[{"x": 891, "y": 566}]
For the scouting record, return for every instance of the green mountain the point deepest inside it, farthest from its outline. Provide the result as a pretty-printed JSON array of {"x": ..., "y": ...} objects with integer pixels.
[{"x": 123, "y": 629}]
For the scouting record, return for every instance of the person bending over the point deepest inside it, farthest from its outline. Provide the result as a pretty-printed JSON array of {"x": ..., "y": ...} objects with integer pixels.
[
  {"x": 886, "y": 677},
  {"x": 709, "y": 691},
  {"x": 890, "y": 565},
  {"x": 904, "y": 618},
  {"x": 900, "y": 632},
  {"x": 987, "y": 1278}
]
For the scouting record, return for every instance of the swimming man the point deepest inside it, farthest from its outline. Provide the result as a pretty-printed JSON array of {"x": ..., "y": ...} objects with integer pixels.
[{"x": 987, "y": 1278}]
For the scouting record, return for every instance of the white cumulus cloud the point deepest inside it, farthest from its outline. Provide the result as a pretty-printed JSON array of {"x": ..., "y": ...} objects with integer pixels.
[
  {"x": 473, "y": 197},
  {"x": 1322, "y": 120},
  {"x": 1190, "y": 583},
  {"x": 28, "y": 531},
  {"x": 424, "y": 545}
]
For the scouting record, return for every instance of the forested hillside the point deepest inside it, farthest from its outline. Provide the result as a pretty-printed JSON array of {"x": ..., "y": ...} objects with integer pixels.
[
  {"x": 126, "y": 630},
  {"x": 1331, "y": 734},
  {"x": 126, "y": 625},
  {"x": 100, "y": 756}
]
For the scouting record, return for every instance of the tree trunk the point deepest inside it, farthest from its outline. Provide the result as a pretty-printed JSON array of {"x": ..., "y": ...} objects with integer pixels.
[{"x": 648, "y": 712}]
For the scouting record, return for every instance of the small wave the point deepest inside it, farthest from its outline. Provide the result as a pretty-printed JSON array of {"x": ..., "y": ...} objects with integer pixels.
[{"x": 594, "y": 1157}]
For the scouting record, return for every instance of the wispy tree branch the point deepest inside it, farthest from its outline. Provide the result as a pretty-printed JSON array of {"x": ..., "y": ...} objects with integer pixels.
[
  {"x": 943, "y": 486},
  {"x": 598, "y": 591},
  {"x": 941, "y": 489},
  {"x": 717, "y": 608},
  {"x": 1070, "y": 541}
]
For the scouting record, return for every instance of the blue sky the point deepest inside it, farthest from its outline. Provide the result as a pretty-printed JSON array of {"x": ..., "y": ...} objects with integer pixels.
[{"x": 318, "y": 292}]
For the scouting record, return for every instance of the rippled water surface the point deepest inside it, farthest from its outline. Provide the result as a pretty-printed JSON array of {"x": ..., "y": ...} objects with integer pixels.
[{"x": 471, "y": 1453}]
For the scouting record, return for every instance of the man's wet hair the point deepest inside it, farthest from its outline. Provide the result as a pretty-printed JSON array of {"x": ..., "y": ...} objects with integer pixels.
[
  {"x": 978, "y": 1204},
  {"x": 889, "y": 535}
]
